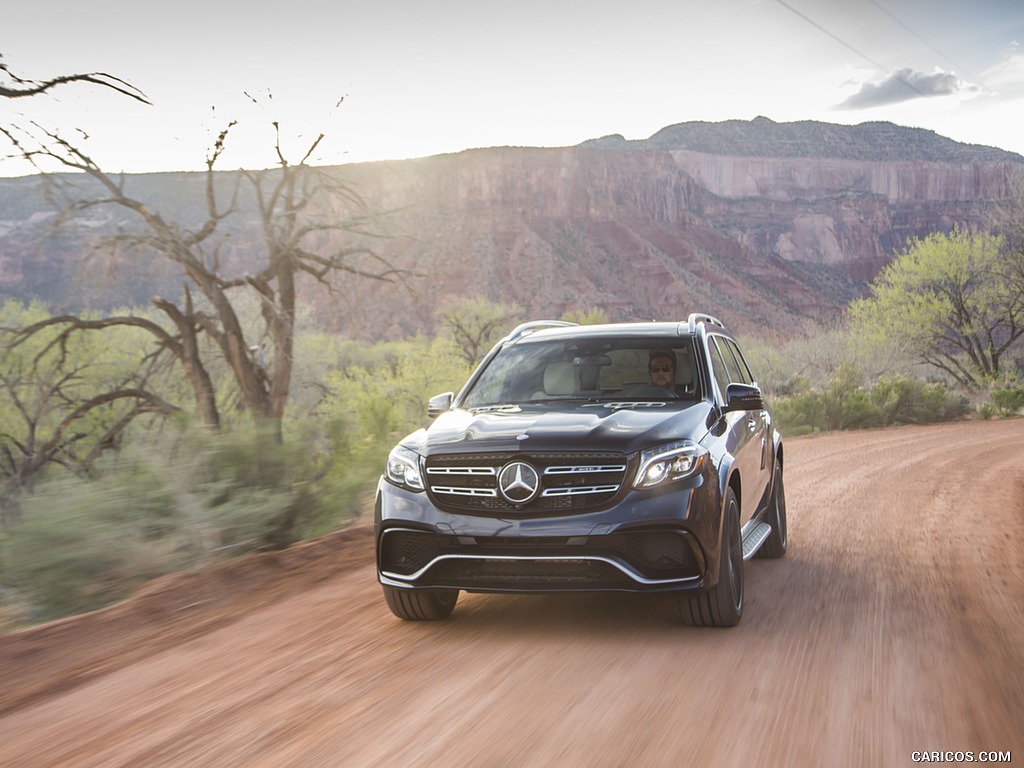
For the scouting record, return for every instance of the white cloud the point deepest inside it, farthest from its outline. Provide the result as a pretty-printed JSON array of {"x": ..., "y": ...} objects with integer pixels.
[
  {"x": 1008, "y": 73},
  {"x": 906, "y": 85}
]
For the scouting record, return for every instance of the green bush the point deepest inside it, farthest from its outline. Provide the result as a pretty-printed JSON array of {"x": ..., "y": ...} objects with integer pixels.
[
  {"x": 84, "y": 544},
  {"x": 846, "y": 404},
  {"x": 903, "y": 400},
  {"x": 190, "y": 501},
  {"x": 1008, "y": 401},
  {"x": 349, "y": 485},
  {"x": 246, "y": 490},
  {"x": 800, "y": 414}
]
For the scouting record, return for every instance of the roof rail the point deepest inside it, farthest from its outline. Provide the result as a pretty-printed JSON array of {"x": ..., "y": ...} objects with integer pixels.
[
  {"x": 536, "y": 325},
  {"x": 698, "y": 317}
]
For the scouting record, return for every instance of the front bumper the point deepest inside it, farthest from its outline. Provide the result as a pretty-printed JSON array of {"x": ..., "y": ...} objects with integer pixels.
[{"x": 647, "y": 542}]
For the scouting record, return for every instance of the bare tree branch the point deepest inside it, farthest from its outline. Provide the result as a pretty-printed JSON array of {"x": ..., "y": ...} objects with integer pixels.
[
  {"x": 301, "y": 213},
  {"x": 23, "y": 87}
]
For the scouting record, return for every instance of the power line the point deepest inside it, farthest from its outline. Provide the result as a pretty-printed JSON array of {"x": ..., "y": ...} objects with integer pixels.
[
  {"x": 909, "y": 29},
  {"x": 812, "y": 22}
]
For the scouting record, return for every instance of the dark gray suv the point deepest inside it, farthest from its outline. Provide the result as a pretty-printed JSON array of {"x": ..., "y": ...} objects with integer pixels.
[{"x": 635, "y": 457}]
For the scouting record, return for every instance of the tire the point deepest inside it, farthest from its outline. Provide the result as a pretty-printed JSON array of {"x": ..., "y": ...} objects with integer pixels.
[
  {"x": 774, "y": 546},
  {"x": 722, "y": 605},
  {"x": 421, "y": 604}
]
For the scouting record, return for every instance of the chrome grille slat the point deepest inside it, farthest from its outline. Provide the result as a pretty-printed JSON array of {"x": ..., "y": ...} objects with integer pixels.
[
  {"x": 580, "y": 491},
  {"x": 571, "y": 482},
  {"x": 472, "y": 471},
  {"x": 456, "y": 491},
  {"x": 577, "y": 470}
]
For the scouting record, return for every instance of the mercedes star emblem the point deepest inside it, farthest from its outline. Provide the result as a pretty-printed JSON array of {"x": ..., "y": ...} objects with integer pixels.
[{"x": 518, "y": 482}]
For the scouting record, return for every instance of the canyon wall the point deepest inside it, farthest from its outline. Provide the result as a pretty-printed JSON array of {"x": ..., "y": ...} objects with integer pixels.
[{"x": 643, "y": 230}]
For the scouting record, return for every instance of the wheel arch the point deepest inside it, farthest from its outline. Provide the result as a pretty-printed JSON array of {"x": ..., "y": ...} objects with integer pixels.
[{"x": 729, "y": 477}]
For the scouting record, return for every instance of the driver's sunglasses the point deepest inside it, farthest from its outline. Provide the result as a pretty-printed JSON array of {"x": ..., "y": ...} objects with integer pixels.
[{"x": 661, "y": 369}]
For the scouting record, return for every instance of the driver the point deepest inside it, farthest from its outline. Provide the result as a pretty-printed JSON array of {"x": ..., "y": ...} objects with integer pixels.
[{"x": 662, "y": 368}]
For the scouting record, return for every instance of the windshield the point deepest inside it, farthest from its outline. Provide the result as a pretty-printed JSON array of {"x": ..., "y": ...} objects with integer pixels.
[{"x": 592, "y": 369}]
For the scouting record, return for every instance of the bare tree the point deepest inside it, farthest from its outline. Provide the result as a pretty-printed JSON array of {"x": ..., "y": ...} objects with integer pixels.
[{"x": 308, "y": 220}]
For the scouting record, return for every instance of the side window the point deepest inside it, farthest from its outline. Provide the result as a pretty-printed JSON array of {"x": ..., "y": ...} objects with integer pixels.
[
  {"x": 740, "y": 371},
  {"x": 718, "y": 367},
  {"x": 685, "y": 377}
]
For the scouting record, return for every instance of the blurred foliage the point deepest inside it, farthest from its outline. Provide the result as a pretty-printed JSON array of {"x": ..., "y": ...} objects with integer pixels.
[
  {"x": 592, "y": 316},
  {"x": 184, "y": 496},
  {"x": 786, "y": 366},
  {"x": 244, "y": 489},
  {"x": 182, "y": 501},
  {"x": 84, "y": 544}
]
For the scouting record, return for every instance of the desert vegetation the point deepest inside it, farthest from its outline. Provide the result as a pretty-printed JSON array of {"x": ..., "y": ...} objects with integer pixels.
[
  {"x": 109, "y": 508},
  {"x": 226, "y": 420}
]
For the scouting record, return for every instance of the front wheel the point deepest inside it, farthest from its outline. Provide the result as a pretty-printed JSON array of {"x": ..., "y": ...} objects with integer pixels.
[
  {"x": 722, "y": 605},
  {"x": 775, "y": 545},
  {"x": 421, "y": 604}
]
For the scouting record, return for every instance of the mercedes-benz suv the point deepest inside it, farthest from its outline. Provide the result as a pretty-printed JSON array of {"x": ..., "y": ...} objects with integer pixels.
[{"x": 635, "y": 457}]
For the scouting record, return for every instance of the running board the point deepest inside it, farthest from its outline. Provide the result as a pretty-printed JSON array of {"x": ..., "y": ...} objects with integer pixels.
[{"x": 754, "y": 538}]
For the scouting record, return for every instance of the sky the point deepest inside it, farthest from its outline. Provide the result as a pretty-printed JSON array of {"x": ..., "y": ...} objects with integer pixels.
[{"x": 394, "y": 79}]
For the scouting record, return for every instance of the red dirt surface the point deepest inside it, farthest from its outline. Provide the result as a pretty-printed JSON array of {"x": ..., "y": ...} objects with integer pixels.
[{"x": 894, "y": 625}]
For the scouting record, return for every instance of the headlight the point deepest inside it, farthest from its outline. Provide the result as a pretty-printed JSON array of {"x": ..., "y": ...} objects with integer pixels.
[
  {"x": 404, "y": 469},
  {"x": 668, "y": 463}
]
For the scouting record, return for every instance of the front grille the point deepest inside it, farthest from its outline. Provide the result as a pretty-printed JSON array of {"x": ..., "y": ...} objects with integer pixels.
[
  {"x": 659, "y": 555},
  {"x": 569, "y": 482}
]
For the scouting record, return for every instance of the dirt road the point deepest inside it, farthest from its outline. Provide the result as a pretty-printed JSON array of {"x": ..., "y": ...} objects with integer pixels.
[{"x": 894, "y": 625}]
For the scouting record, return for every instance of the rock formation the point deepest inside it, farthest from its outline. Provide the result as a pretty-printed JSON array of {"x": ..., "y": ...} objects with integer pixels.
[{"x": 765, "y": 224}]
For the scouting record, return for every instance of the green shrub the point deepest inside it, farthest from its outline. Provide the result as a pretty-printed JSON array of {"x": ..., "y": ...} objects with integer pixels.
[
  {"x": 902, "y": 400},
  {"x": 1008, "y": 401},
  {"x": 84, "y": 544},
  {"x": 800, "y": 414},
  {"x": 190, "y": 501},
  {"x": 349, "y": 485},
  {"x": 246, "y": 490},
  {"x": 846, "y": 404}
]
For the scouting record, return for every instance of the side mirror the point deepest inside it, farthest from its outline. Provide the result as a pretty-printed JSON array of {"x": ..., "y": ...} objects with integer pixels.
[
  {"x": 743, "y": 397},
  {"x": 438, "y": 404}
]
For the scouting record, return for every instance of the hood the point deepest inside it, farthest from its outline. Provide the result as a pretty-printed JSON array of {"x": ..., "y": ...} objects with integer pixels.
[{"x": 563, "y": 427}]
